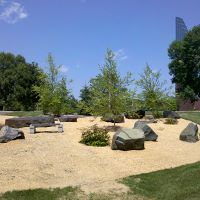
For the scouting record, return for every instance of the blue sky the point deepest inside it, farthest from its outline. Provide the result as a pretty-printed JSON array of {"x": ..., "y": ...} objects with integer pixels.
[{"x": 78, "y": 32}]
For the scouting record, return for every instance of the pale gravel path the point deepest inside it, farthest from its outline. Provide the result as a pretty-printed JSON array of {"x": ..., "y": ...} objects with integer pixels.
[{"x": 51, "y": 159}]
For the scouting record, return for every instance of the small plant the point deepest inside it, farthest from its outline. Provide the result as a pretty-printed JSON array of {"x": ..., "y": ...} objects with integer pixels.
[
  {"x": 171, "y": 121},
  {"x": 95, "y": 136}
]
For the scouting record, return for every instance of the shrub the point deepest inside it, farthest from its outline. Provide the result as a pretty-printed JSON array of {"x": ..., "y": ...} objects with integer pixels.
[
  {"x": 171, "y": 121},
  {"x": 157, "y": 114},
  {"x": 95, "y": 136},
  {"x": 132, "y": 115}
]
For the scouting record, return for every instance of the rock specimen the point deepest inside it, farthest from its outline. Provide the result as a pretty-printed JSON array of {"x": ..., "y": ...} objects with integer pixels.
[
  {"x": 68, "y": 118},
  {"x": 190, "y": 133},
  {"x": 7, "y": 133},
  {"x": 112, "y": 118},
  {"x": 128, "y": 139},
  {"x": 171, "y": 114},
  {"x": 26, "y": 121},
  {"x": 150, "y": 135}
]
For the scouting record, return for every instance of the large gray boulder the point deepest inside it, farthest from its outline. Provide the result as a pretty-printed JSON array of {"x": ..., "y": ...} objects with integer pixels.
[
  {"x": 190, "y": 133},
  {"x": 128, "y": 139},
  {"x": 68, "y": 118},
  {"x": 171, "y": 114},
  {"x": 20, "y": 122},
  {"x": 150, "y": 135},
  {"x": 113, "y": 118},
  {"x": 7, "y": 133}
]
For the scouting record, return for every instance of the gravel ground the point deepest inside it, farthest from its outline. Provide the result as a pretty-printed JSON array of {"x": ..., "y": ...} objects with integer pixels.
[{"x": 51, "y": 159}]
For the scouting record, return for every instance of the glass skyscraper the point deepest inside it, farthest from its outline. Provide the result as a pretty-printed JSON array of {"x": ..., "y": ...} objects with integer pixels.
[{"x": 181, "y": 29}]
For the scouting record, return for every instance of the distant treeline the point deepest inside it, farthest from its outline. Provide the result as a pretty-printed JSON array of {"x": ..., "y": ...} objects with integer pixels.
[{"x": 25, "y": 86}]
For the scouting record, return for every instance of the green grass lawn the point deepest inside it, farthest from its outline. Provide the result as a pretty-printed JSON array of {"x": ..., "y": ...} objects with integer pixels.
[
  {"x": 181, "y": 183},
  {"x": 192, "y": 116},
  {"x": 24, "y": 113}
]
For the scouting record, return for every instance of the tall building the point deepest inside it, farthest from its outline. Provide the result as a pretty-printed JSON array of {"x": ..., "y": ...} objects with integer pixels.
[{"x": 181, "y": 29}]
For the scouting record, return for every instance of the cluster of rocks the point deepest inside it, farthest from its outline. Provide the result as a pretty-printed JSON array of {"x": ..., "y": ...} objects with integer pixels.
[{"x": 133, "y": 139}]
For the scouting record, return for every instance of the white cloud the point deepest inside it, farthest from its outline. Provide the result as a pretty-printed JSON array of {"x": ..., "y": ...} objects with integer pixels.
[
  {"x": 13, "y": 13},
  {"x": 64, "y": 69},
  {"x": 120, "y": 55}
]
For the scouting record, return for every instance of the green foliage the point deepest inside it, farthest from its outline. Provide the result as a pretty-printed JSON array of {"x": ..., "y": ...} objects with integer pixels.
[
  {"x": 108, "y": 89},
  {"x": 95, "y": 136},
  {"x": 84, "y": 105},
  {"x": 185, "y": 64},
  {"x": 154, "y": 95},
  {"x": 53, "y": 93},
  {"x": 171, "y": 121},
  {"x": 17, "y": 78},
  {"x": 157, "y": 114},
  {"x": 132, "y": 115}
]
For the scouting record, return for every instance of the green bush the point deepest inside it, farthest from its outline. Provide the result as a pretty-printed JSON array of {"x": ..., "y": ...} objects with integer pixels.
[
  {"x": 95, "y": 136},
  {"x": 132, "y": 115},
  {"x": 157, "y": 114},
  {"x": 171, "y": 121}
]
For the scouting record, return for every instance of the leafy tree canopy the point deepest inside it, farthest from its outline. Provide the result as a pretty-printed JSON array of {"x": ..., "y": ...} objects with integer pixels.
[
  {"x": 154, "y": 95},
  {"x": 185, "y": 64},
  {"x": 17, "y": 78},
  {"x": 109, "y": 90}
]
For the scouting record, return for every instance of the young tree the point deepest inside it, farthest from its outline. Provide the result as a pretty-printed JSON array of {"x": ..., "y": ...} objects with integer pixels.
[
  {"x": 109, "y": 90},
  {"x": 185, "y": 64},
  {"x": 154, "y": 93},
  {"x": 53, "y": 93}
]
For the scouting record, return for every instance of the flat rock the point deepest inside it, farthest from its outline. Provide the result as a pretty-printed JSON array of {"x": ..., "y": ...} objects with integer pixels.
[
  {"x": 128, "y": 139},
  {"x": 190, "y": 133},
  {"x": 7, "y": 133},
  {"x": 150, "y": 135},
  {"x": 118, "y": 119},
  {"x": 171, "y": 114},
  {"x": 67, "y": 118},
  {"x": 20, "y": 122}
]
